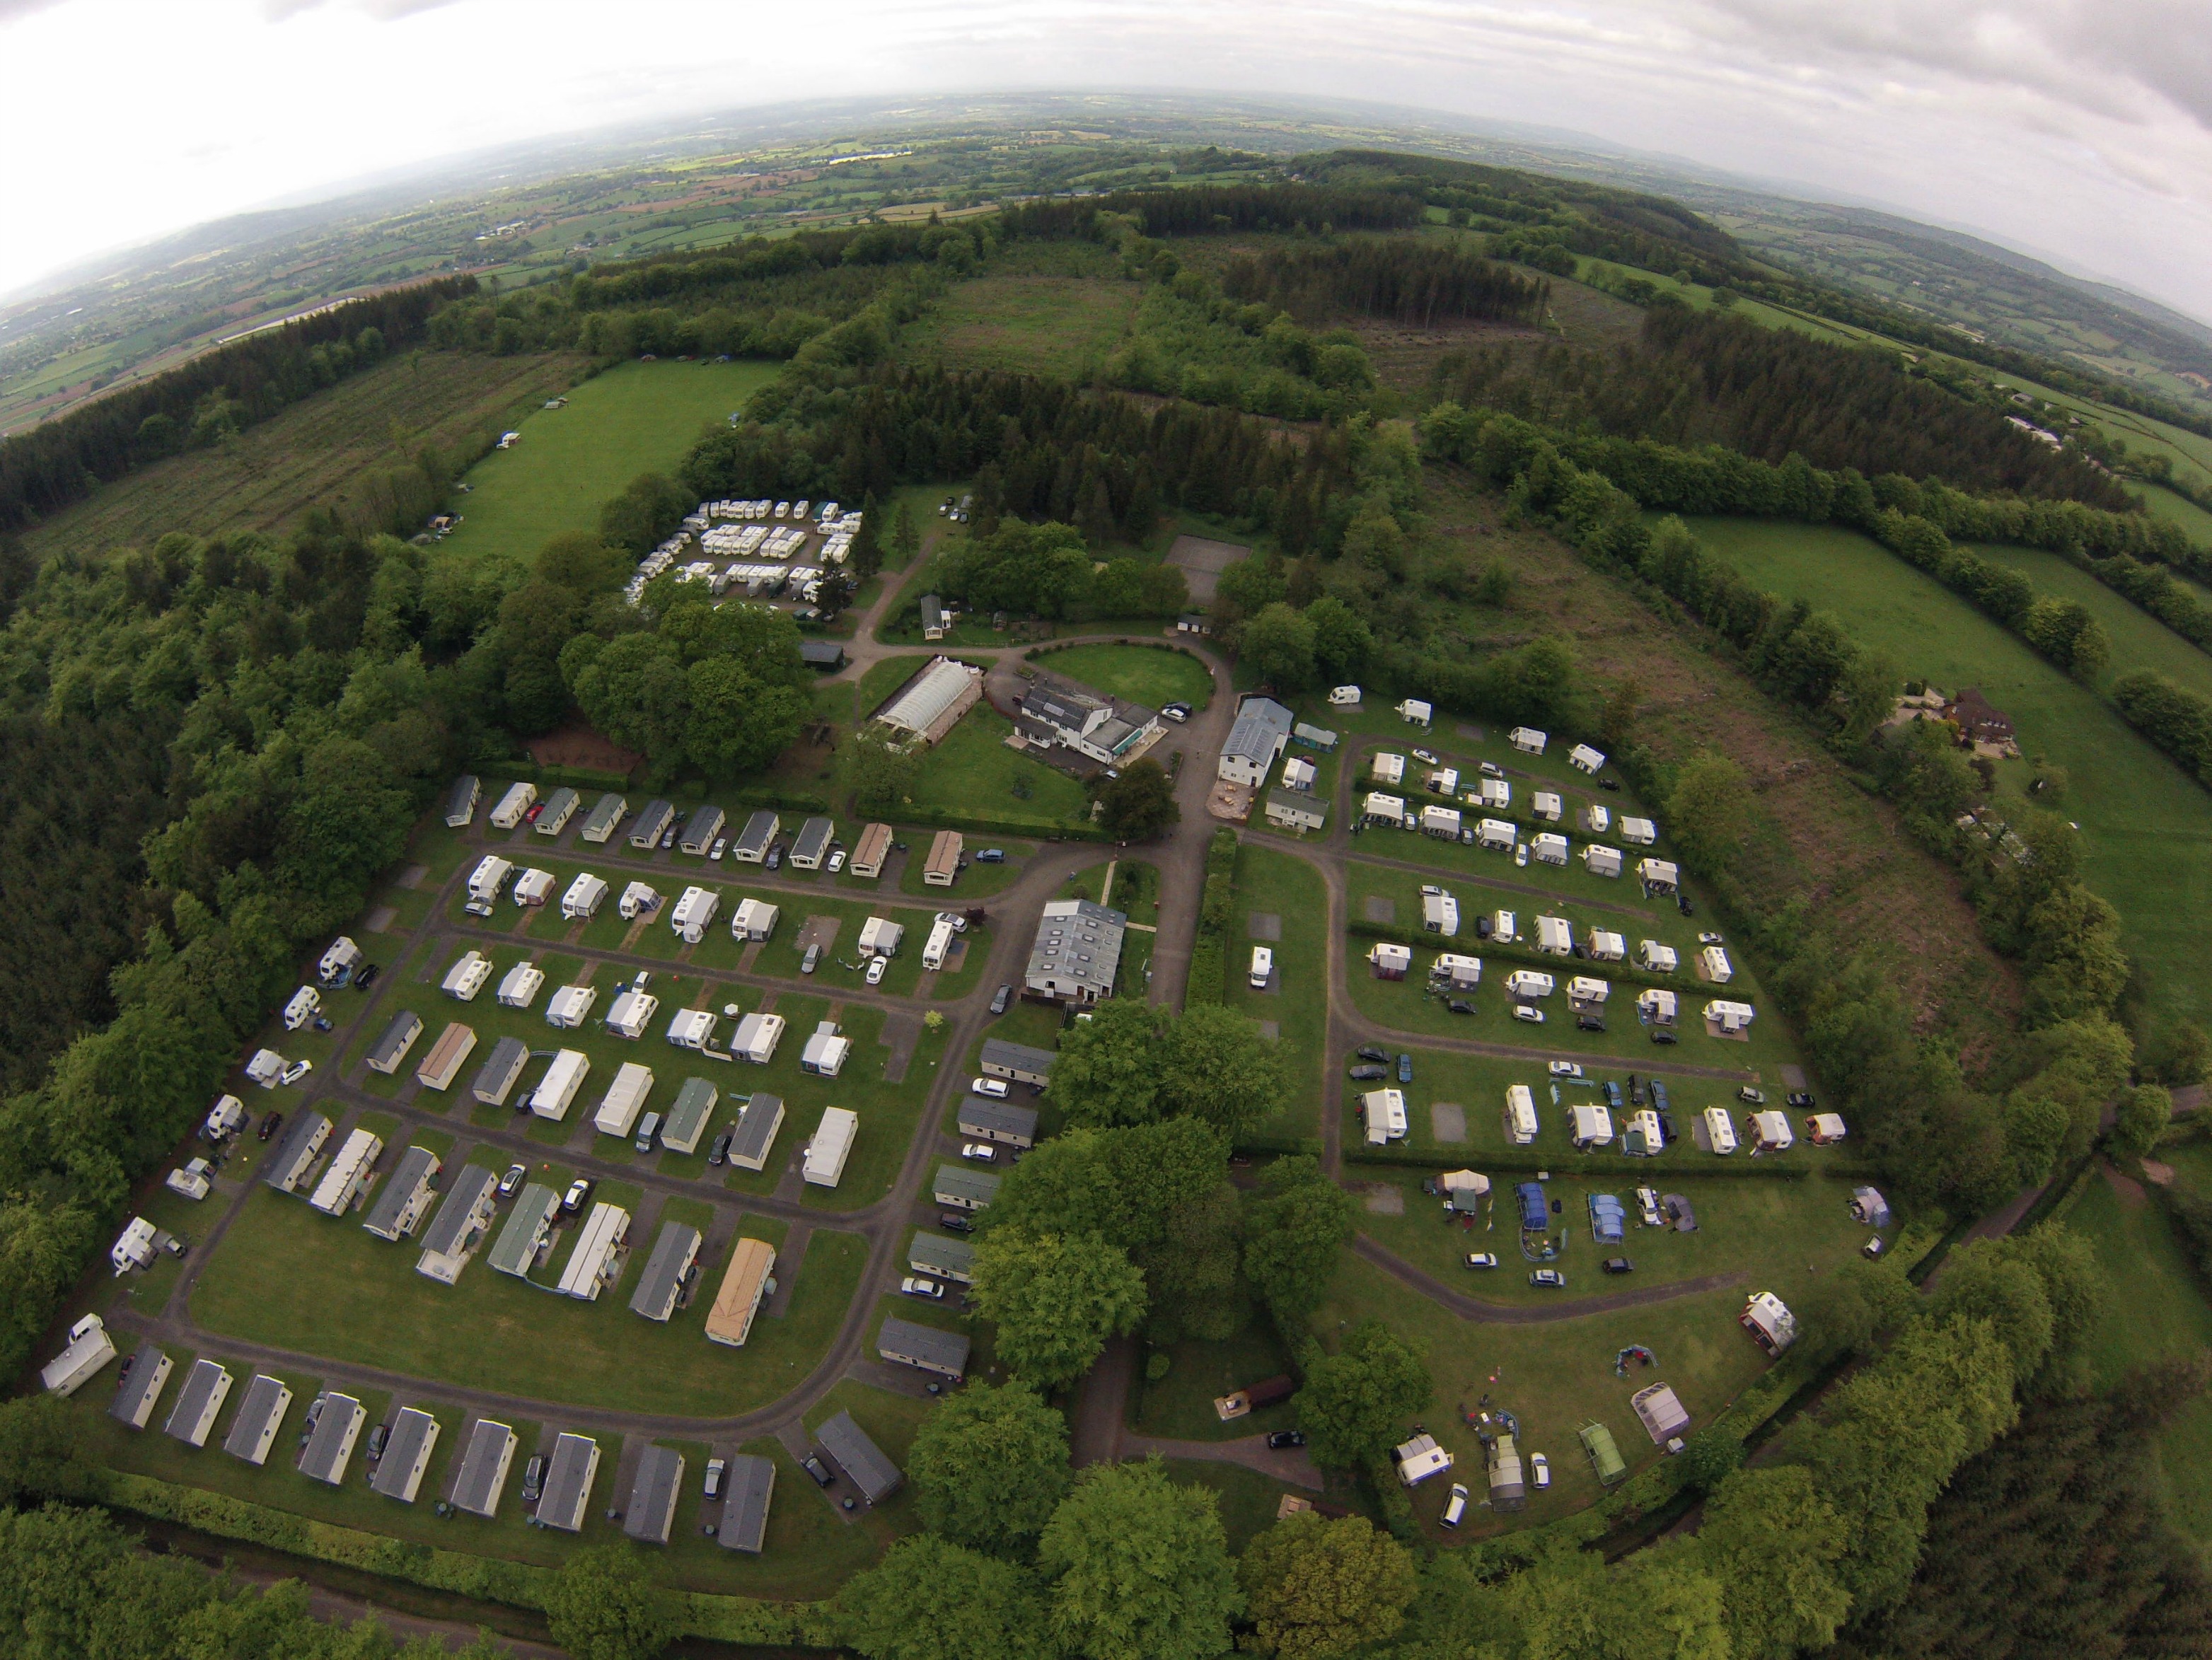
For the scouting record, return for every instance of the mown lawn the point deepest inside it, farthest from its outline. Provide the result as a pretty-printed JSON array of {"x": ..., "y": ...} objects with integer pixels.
[
  {"x": 1151, "y": 674},
  {"x": 974, "y": 774},
  {"x": 1270, "y": 882}
]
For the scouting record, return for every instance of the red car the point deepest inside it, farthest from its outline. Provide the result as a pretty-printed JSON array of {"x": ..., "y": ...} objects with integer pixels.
[{"x": 530, "y": 817}]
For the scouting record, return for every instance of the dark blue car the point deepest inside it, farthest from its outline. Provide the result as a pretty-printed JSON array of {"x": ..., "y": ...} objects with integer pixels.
[
  {"x": 1405, "y": 1068},
  {"x": 1613, "y": 1097}
]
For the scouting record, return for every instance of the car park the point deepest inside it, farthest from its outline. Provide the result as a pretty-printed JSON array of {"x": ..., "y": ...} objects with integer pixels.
[
  {"x": 1455, "y": 1505},
  {"x": 720, "y": 1153},
  {"x": 1369, "y": 1052},
  {"x": 836, "y": 861},
  {"x": 876, "y": 967},
  {"x": 1534, "y": 1017},
  {"x": 809, "y": 962},
  {"x": 1540, "y": 1472},
  {"x": 579, "y": 1191},
  {"x": 981, "y": 1152},
  {"x": 994, "y": 1087},
  {"x": 1566, "y": 1069},
  {"x": 534, "y": 1477},
  {"x": 1000, "y": 998},
  {"x": 953, "y": 1221},
  {"x": 914, "y": 1286},
  {"x": 714, "y": 1485},
  {"x": 813, "y": 1466},
  {"x": 1368, "y": 1074},
  {"x": 1618, "y": 1265},
  {"x": 991, "y": 856},
  {"x": 1482, "y": 1259},
  {"x": 1549, "y": 1278},
  {"x": 511, "y": 1183},
  {"x": 1750, "y": 1097},
  {"x": 269, "y": 1122},
  {"x": 1405, "y": 1068}
]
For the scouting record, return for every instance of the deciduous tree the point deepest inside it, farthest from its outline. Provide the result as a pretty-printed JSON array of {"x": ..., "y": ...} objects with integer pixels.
[
  {"x": 1315, "y": 1588},
  {"x": 602, "y": 1605},
  {"x": 932, "y": 1599},
  {"x": 1295, "y": 1227},
  {"x": 1055, "y": 1299},
  {"x": 989, "y": 1465},
  {"x": 1356, "y": 1402},
  {"x": 1139, "y": 1568},
  {"x": 1139, "y": 805}
]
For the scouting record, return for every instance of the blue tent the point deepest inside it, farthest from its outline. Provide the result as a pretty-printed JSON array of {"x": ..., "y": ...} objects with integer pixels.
[
  {"x": 1607, "y": 1218},
  {"x": 1535, "y": 1212}
]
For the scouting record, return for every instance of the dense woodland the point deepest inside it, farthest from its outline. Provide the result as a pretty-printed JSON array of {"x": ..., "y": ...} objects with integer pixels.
[{"x": 1405, "y": 279}]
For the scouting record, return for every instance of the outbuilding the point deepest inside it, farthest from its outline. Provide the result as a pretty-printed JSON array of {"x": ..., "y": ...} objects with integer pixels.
[
  {"x": 926, "y": 1348},
  {"x": 459, "y": 1226},
  {"x": 406, "y": 1198},
  {"x": 502, "y": 1069},
  {"x": 253, "y": 1430},
  {"x": 685, "y": 1126},
  {"x": 484, "y": 1466},
  {"x": 745, "y": 1285},
  {"x": 568, "y": 1494},
  {"x": 675, "y": 1251}
]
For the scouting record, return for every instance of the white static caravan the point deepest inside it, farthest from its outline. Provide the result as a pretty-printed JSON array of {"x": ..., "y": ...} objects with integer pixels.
[
  {"x": 631, "y": 1013},
  {"x": 1732, "y": 1018},
  {"x": 1416, "y": 713},
  {"x": 1601, "y": 861},
  {"x": 596, "y": 1260},
  {"x": 1720, "y": 1130},
  {"x": 567, "y": 1007},
  {"x": 1459, "y": 973},
  {"x": 1381, "y": 809},
  {"x": 1640, "y": 831},
  {"x": 756, "y": 1038},
  {"x": 1383, "y": 1112},
  {"x": 347, "y": 1176},
  {"x": 1585, "y": 993},
  {"x": 517, "y": 801},
  {"x": 1583, "y": 758},
  {"x": 940, "y": 941},
  {"x": 533, "y": 887},
  {"x": 560, "y": 807},
  {"x": 880, "y": 937},
  {"x": 339, "y": 963},
  {"x": 1528, "y": 986},
  {"x": 585, "y": 896},
  {"x": 637, "y": 898},
  {"x": 1384, "y": 768},
  {"x": 1658, "y": 876},
  {"x": 557, "y": 1089},
  {"x": 1714, "y": 961},
  {"x": 1656, "y": 1006},
  {"x": 517, "y": 988},
  {"x": 304, "y": 1005},
  {"x": 1607, "y": 947},
  {"x": 1771, "y": 1132},
  {"x": 489, "y": 876},
  {"x": 1441, "y": 822},
  {"x": 134, "y": 1248},
  {"x": 606, "y": 816},
  {"x": 1597, "y": 817},
  {"x": 1390, "y": 960},
  {"x": 1493, "y": 794},
  {"x": 1548, "y": 849},
  {"x": 1592, "y": 1126},
  {"x": 694, "y": 911},
  {"x": 467, "y": 976},
  {"x": 824, "y": 1163},
  {"x": 1654, "y": 958},
  {"x": 1528, "y": 739},
  {"x": 1498, "y": 835},
  {"x": 1520, "y": 1115},
  {"x": 691, "y": 1029},
  {"x": 753, "y": 919},
  {"x": 1440, "y": 913},
  {"x": 90, "y": 1348},
  {"x": 1555, "y": 936},
  {"x": 206, "y": 1387},
  {"x": 226, "y": 1117},
  {"x": 1344, "y": 697},
  {"x": 1548, "y": 806},
  {"x": 624, "y": 1099}
]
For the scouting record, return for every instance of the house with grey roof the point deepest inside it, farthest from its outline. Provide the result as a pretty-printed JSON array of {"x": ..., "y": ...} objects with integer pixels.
[
  {"x": 141, "y": 1386},
  {"x": 754, "y": 1133},
  {"x": 568, "y": 1481},
  {"x": 758, "y": 836},
  {"x": 864, "y": 1463},
  {"x": 459, "y": 1225},
  {"x": 910, "y": 1343},
  {"x": 406, "y": 1195},
  {"x": 982, "y": 1119},
  {"x": 1076, "y": 952},
  {"x": 253, "y": 1430},
  {"x": 1261, "y": 732},
  {"x": 330, "y": 1443},
  {"x": 701, "y": 829},
  {"x": 390, "y": 1050},
  {"x": 651, "y": 1513},
  {"x": 1054, "y": 713},
  {"x": 286, "y": 1168},
  {"x": 811, "y": 845},
  {"x": 484, "y": 1466},
  {"x": 406, "y": 1456},
  {"x": 963, "y": 1188},
  {"x": 515, "y": 1250},
  {"x": 674, "y": 1251},
  {"x": 1018, "y": 1063},
  {"x": 207, "y": 1385},
  {"x": 941, "y": 1255},
  {"x": 748, "y": 1486},
  {"x": 502, "y": 1069},
  {"x": 461, "y": 802},
  {"x": 653, "y": 821}
]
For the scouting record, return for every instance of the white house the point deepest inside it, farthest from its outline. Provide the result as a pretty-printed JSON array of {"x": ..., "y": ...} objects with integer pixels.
[
  {"x": 1599, "y": 859},
  {"x": 1093, "y": 726},
  {"x": 823, "y": 1164},
  {"x": 1654, "y": 958},
  {"x": 584, "y": 896},
  {"x": 518, "y": 800},
  {"x": 1384, "y": 1113},
  {"x": 1415, "y": 712},
  {"x": 567, "y": 1006},
  {"x": 347, "y": 1176},
  {"x": 1607, "y": 947},
  {"x": 1583, "y": 758},
  {"x": 1640, "y": 831},
  {"x": 1521, "y": 1124},
  {"x": 1714, "y": 961},
  {"x": 1528, "y": 986},
  {"x": 1498, "y": 834},
  {"x": 518, "y": 989},
  {"x": 1385, "y": 767},
  {"x": 1528, "y": 739},
  {"x": 1381, "y": 809},
  {"x": 1548, "y": 849},
  {"x": 1439, "y": 913},
  {"x": 1256, "y": 742}
]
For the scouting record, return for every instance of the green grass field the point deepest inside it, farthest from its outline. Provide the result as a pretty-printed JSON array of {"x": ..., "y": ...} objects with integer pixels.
[
  {"x": 638, "y": 417},
  {"x": 1054, "y": 326},
  {"x": 1151, "y": 674},
  {"x": 1270, "y": 882},
  {"x": 974, "y": 773},
  {"x": 2147, "y": 848}
]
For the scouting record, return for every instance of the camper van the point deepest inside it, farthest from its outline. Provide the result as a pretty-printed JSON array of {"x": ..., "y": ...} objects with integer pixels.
[{"x": 1263, "y": 967}]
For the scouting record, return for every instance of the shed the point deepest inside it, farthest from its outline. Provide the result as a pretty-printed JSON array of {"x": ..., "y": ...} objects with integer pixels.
[
  {"x": 253, "y": 1430},
  {"x": 406, "y": 1197},
  {"x": 824, "y": 1159},
  {"x": 1528, "y": 739},
  {"x": 1768, "y": 1319},
  {"x": 207, "y": 1385},
  {"x": 557, "y": 1089},
  {"x": 1018, "y": 1063},
  {"x": 754, "y": 1039},
  {"x": 596, "y": 1260},
  {"x": 461, "y": 799},
  {"x": 624, "y": 1099},
  {"x": 1664, "y": 1414},
  {"x": 926, "y": 1348},
  {"x": 515, "y": 1250},
  {"x": 982, "y": 1119},
  {"x": 753, "y": 919},
  {"x": 682, "y": 1130},
  {"x": 560, "y": 807},
  {"x": 653, "y": 821},
  {"x": 584, "y": 897},
  {"x": 870, "y": 852},
  {"x": 864, "y": 1463},
  {"x": 406, "y": 1456},
  {"x": 459, "y": 1225},
  {"x": 701, "y": 829},
  {"x": 827, "y": 655},
  {"x": 303, "y": 1138},
  {"x": 811, "y": 845},
  {"x": 1383, "y": 1113},
  {"x": 389, "y": 1052},
  {"x": 604, "y": 819},
  {"x": 963, "y": 1188},
  {"x": 443, "y": 1064},
  {"x": 675, "y": 1250},
  {"x": 502, "y": 1068},
  {"x": 650, "y": 1516},
  {"x": 567, "y": 1007},
  {"x": 754, "y": 1133},
  {"x": 518, "y": 800},
  {"x": 330, "y": 1444},
  {"x": 484, "y": 1466},
  {"x": 756, "y": 838},
  {"x": 748, "y": 1487},
  {"x": 941, "y": 1255},
  {"x": 745, "y": 1285},
  {"x": 567, "y": 1492}
]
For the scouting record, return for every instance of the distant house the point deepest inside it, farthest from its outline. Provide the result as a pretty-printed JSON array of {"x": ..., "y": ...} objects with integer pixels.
[
  {"x": 1293, "y": 809},
  {"x": 827, "y": 655},
  {"x": 1978, "y": 720},
  {"x": 1101, "y": 729},
  {"x": 932, "y": 616},
  {"x": 1256, "y": 742}
]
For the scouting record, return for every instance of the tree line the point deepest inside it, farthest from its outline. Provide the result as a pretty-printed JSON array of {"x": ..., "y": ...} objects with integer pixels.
[
  {"x": 198, "y": 403},
  {"x": 1206, "y": 209},
  {"x": 1406, "y": 279}
]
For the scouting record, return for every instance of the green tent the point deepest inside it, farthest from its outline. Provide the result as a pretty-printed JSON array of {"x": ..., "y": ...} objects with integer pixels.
[{"x": 1604, "y": 1457}]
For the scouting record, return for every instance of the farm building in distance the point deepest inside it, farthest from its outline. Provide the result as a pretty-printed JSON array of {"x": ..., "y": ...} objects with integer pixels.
[{"x": 931, "y": 704}]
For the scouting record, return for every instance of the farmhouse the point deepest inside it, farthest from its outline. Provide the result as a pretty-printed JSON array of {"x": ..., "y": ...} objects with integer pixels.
[
  {"x": 207, "y": 1385},
  {"x": 502, "y": 1070},
  {"x": 1262, "y": 732},
  {"x": 1293, "y": 811},
  {"x": 982, "y": 1119},
  {"x": 624, "y": 1099},
  {"x": 294, "y": 1155},
  {"x": 674, "y": 1252},
  {"x": 569, "y": 1483},
  {"x": 596, "y": 1262},
  {"x": 515, "y": 1250},
  {"x": 654, "y": 820},
  {"x": 931, "y": 704},
  {"x": 484, "y": 1466},
  {"x": 407, "y": 1452},
  {"x": 390, "y": 1051},
  {"x": 466, "y": 977},
  {"x": 863, "y": 1462},
  {"x": 651, "y": 1513},
  {"x": 1076, "y": 952},
  {"x": 908, "y": 1343},
  {"x": 330, "y": 1444},
  {"x": 1389, "y": 960},
  {"x": 755, "y": 1132},
  {"x": 745, "y": 1285},
  {"x": 942, "y": 868},
  {"x": 348, "y": 1178},
  {"x": 604, "y": 819},
  {"x": 459, "y": 1225},
  {"x": 748, "y": 1484},
  {"x": 687, "y": 1121},
  {"x": 870, "y": 852},
  {"x": 443, "y": 1064},
  {"x": 567, "y": 1006},
  {"x": 701, "y": 829},
  {"x": 1018, "y": 1063},
  {"x": 1100, "y": 729},
  {"x": 406, "y": 1199},
  {"x": 823, "y": 1159},
  {"x": 254, "y": 1431},
  {"x": 461, "y": 800}
]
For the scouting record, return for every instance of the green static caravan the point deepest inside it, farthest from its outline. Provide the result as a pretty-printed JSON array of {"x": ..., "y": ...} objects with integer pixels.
[{"x": 515, "y": 1250}]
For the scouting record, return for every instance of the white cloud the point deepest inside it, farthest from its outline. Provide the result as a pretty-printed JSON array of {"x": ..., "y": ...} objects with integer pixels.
[{"x": 2078, "y": 128}]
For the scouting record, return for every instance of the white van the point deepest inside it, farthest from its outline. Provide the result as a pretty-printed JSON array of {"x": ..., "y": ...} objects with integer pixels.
[{"x": 1263, "y": 966}]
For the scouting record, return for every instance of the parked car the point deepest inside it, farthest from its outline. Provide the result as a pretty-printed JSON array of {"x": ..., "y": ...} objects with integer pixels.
[
  {"x": 295, "y": 1072},
  {"x": 1459, "y": 1005},
  {"x": 1618, "y": 1265},
  {"x": 1405, "y": 1068},
  {"x": 1282, "y": 1438},
  {"x": 368, "y": 975},
  {"x": 1751, "y": 1097},
  {"x": 1483, "y": 927},
  {"x": 721, "y": 845},
  {"x": 1540, "y": 1472},
  {"x": 1425, "y": 759},
  {"x": 1803, "y": 1098},
  {"x": 953, "y": 1221},
  {"x": 836, "y": 861},
  {"x": 1608, "y": 783},
  {"x": 530, "y": 817},
  {"x": 668, "y": 838},
  {"x": 648, "y": 1130},
  {"x": 377, "y": 1437},
  {"x": 914, "y": 1286},
  {"x": 1611, "y": 1090},
  {"x": 510, "y": 1183},
  {"x": 1534, "y": 1017},
  {"x": 813, "y": 1466},
  {"x": 1000, "y": 998},
  {"x": 1566, "y": 1069},
  {"x": 994, "y": 1087},
  {"x": 1711, "y": 939},
  {"x": 1663, "y": 1034},
  {"x": 720, "y": 1153},
  {"x": 1685, "y": 904},
  {"x": 715, "y": 1468},
  {"x": 1551, "y": 1278},
  {"x": 533, "y": 1478},
  {"x": 877, "y": 967},
  {"x": 1491, "y": 769},
  {"x": 270, "y": 1120},
  {"x": 981, "y": 1152},
  {"x": 813, "y": 957},
  {"x": 991, "y": 856},
  {"x": 579, "y": 1191},
  {"x": 775, "y": 860},
  {"x": 1482, "y": 1259},
  {"x": 954, "y": 919},
  {"x": 1368, "y": 1074},
  {"x": 1177, "y": 713},
  {"x": 1521, "y": 854},
  {"x": 1455, "y": 1505},
  {"x": 1369, "y": 1052}
]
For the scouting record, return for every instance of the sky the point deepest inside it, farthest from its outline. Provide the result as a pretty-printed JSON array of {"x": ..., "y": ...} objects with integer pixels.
[{"x": 2081, "y": 131}]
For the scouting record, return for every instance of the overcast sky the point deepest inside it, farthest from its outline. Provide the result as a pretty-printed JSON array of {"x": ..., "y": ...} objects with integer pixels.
[{"x": 2081, "y": 129}]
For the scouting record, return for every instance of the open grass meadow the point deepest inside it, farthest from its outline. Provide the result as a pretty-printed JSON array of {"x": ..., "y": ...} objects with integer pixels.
[
  {"x": 636, "y": 417},
  {"x": 973, "y": 773},
  {"x": 1063, "y": 326},
  {"x": 2147, "y": 838},
  {"x": 1151, "y": 674},
  {"x": 269, "y": 474},
  {"x": 1273, "y": 883}
]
